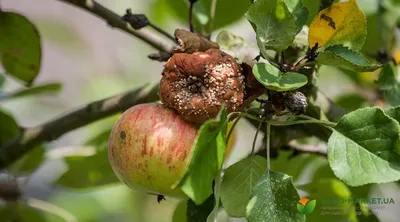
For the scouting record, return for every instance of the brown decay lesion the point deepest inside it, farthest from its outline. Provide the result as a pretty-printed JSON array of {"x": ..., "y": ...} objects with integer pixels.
[{"x": 330, "y": 21}]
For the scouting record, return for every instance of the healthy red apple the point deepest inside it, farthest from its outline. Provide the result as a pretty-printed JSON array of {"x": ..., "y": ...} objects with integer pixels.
[{"x": 149, "y": 148}]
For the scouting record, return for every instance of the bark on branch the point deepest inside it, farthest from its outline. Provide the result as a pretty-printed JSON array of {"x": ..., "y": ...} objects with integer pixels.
[{"x": 30, "y": 137}]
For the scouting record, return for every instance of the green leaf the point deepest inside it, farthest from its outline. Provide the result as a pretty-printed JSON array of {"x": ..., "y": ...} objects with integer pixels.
[
  {"x": 20, "y": 49},
  {"x": 199, "y": 213},
  {"x": 392, "y": 95},
  {"x": 299, "y": 11},
  {"x": 351, "y": 102},
  {"x": 9, "y": 128},
  {"x": 388, "y": 82},
  {"x": 237, "y": 183},
  {"x": 19, "y": 212},
  {"x": 362, "y": 148},
  {"x": 274, "y": 198},
  {"x": 35, "y": 90},
  {"x": 29, "y": 162},
  {"x": 180, "y": 212},
  {"x": 313, "y": 7},
  {"x": 2, "y": 80},
  {"x": 388, "y": 76},
  {"x": 343, "y": 57},
  {"x": 90, "y": 170},
  {"x": 275, "y": 27},
  {"x": 87, "y": 172},
  {"x": 272, "y": 78},
  {"x": 206, "y": 160}
]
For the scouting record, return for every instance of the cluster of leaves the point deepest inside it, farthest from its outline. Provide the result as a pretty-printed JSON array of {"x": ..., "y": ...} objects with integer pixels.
[{"x": 363, "y": 148}]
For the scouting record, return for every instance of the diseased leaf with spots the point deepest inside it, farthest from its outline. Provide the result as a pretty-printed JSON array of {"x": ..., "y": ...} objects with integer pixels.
[
  {"x": 364, "y": 144},
  {"x": 343, "y": 57},
  {"x": 272, "y": 78},
  {"x": 206, "y": 160},
  {"x": 20, "y": 49},
  {"x": 340, "y": 24},
  {"x": 274, "y": 198},
  {"x": 237, "y": 183},
  {"x": 275, "y": 26}
]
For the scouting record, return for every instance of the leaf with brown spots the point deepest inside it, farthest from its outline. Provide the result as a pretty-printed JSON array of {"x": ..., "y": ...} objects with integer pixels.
[
  {"x": 20, "y": 49},
  {"x": 342, "y": 23},
  {"x": 190, "y": 42}
]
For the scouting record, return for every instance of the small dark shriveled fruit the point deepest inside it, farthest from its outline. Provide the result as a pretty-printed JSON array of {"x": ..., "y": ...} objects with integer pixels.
[
  {"x": 197, "y": 85},
  {"x": 295, "y": 102}
]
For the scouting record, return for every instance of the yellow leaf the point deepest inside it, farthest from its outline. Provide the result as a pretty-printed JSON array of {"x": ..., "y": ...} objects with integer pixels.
[{"x": 342, "y": 23}]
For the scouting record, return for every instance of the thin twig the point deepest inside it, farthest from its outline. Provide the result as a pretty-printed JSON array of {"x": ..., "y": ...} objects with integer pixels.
[
  {"x": 163, "y": 32},
  {"x": 319, "y": 149},
  {"x": 191, "y": 27},
  {"x": 212, "y": 16},
  {"x": 115, "y": 21},
  {"x": 92, "y": 112}
]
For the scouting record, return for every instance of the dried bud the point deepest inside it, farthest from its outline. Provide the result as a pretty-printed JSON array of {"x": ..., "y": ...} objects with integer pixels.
[
  {"x": 137, "y": 21},
  {"x": 197, "y": 85},
  {"x": 296, "y": 102}
]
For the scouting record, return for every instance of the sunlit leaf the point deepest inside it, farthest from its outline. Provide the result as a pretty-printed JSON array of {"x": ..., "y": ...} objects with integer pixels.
[
  {"x": 342, "y": 23},
  {"x": 275, "y": 26},
  {"x": 364, "y": 148},
  {"x": 272, "y": 78},
  {"x": 20, "y": 48}
]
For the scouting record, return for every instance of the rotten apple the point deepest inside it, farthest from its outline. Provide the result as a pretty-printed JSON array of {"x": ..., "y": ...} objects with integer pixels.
[{"x": 149, "y": 148}]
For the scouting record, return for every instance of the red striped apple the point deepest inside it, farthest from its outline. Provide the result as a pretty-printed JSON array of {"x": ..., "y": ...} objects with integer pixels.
[{"x": 149, "y": 148}]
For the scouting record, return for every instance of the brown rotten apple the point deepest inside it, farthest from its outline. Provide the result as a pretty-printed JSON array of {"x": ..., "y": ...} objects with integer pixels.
[
  {"x": 149, "y": 148},
  {"x": 197, "y": 85}
]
